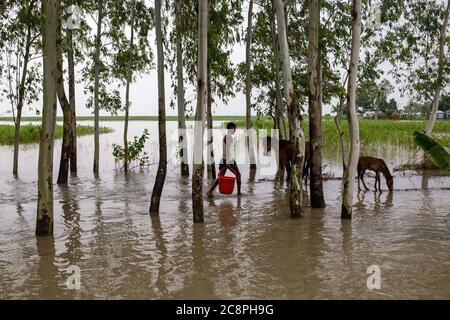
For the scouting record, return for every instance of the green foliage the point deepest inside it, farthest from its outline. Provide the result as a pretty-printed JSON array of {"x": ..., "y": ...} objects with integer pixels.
[
  {"x": 32, "y": 133},
  {"x": 438, "y": 154},
  {"x": 136, "y": 151}
]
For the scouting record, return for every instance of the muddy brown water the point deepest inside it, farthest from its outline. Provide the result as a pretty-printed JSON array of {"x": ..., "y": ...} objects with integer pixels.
[{"x": 248, "y": 247}]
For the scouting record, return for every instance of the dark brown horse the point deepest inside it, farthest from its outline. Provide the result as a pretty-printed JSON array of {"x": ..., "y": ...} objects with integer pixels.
[
  {"x": 286, "y": 154},
  {"x": 376, "y": 165}
]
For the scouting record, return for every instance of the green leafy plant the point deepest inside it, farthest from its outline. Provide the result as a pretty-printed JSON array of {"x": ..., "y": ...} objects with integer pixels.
[
  {"x": 438, "y": 154},
  {"x": 135, "y": 150}
]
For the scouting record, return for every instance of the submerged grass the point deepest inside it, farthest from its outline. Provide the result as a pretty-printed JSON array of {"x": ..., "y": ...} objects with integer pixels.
[{"x": 32, "y": 133}]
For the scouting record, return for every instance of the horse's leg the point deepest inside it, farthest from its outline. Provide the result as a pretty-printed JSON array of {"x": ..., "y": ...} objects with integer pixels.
[
  {"x": 287, "y": 165},
  {"x": 362, "y": 179},
  {"x": 377, "y": 180}
]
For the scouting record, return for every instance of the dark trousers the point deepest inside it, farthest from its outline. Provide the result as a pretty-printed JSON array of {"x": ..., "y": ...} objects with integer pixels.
[{"x": 223, "y": 169}]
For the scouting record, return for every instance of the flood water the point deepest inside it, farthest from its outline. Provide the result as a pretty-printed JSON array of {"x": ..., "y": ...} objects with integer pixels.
[{"x": 248, "y": 247}]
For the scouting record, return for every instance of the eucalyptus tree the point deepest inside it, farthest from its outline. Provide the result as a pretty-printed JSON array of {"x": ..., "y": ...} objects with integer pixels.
[
  {"x": 180, "y": 92},
  {"x": 202, "y": 53},
  {"x": 162, "y": 166},
  {"x": 19, "y": 45},
  {"x": 248, "y": 85},
  {"x": 315, "y": 108},
  {"x": 44, "y": 221},
  {"x": 130, "y": 55},
  {"x": 68, "y": 134},
  {"x": 225, "y": 18},
  {"x": 297, "y": 136},
  {"x": 414, "y": 43},
  {"x": 349, "y": 174},
  {"x": 98, "y": 71}
]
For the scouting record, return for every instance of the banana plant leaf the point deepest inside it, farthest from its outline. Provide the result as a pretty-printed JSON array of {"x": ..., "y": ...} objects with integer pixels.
[{"x": 438, "y": 154}]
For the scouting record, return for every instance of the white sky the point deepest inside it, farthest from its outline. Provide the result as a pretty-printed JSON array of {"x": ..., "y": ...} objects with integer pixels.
[{"x": 144, "y": 93}]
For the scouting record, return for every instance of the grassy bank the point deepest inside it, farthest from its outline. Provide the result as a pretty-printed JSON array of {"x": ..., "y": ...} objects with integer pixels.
[
  {"x": 32, "y": 133},
  {"x": 131, "y": 118},
  {"x": 372, "y": 132}
]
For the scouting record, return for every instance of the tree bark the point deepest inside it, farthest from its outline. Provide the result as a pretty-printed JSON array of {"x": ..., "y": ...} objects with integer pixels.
[
  {"x": 296, "y": 133},
  {"x": 44, "y": 220},
  {"x": 66, "y": 146},
  {"x": 197, "y": 172},
  {"x": 211, "y": 166},
  {"x": 248, "y": 87},
  {"x": 350, "y": 173},
  {"x": 21, "y": 98},
  {"x": 441, "y": 62},
  {"x": 162, "y": 166},
  {"x": 98, "y": 45},
  {"x": 315, "y": 108},
  {"x": 127, "y": 96},
  {"x": 71, "y": 69},
  {"x": 276, "y": 68},
  {"x": 182, "y": 137}
]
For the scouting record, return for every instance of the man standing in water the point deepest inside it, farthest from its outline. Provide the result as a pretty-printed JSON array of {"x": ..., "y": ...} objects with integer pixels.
[{"x": 228, "y": 160}]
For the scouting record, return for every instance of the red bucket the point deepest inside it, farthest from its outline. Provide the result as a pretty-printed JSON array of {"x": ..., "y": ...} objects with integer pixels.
[{"x": 226, "y": 184}]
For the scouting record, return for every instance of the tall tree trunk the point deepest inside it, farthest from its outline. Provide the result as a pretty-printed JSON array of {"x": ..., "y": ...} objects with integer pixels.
[
  {"x": 71, "y": 69},
  {"x": 182, "y": 137},
  {"x": 297, "y": 136},
  {"x": 197, "y": 172},
  {"x": 98, "y": 44},
  {"x": 162, "y": 166},
  {"x": 44, "y": 220},
  {"x": 276, "y": 70},
  {"x": 315, "y": 108},
  {"x": 21, "y": 98},
  {"x": 210, "y": 166},
  {"x": 248, "y": 87},
  {"x": 66, "y": 146},
  {"x": 127, "y": 96},
  {"x": 350, "y": 173},
  {"x": 438, "y": 84}
]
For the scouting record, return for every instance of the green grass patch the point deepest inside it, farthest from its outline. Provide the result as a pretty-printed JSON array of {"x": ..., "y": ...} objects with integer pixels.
[
  {"x": 372, "y": 132},
  {"x": 32, "y": 133}
]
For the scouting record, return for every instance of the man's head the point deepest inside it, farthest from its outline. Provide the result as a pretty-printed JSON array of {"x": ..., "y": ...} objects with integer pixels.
[{"x": 231, "y": 127}]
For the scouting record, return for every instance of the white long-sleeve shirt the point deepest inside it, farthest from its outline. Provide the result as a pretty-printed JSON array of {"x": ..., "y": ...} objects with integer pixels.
[{"x": 228, "y": 148}]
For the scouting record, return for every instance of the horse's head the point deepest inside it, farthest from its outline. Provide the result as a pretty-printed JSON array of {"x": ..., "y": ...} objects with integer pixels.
[{"x": 390, "y": 182}]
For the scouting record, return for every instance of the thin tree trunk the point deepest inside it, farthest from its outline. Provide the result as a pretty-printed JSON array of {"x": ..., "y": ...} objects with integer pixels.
[
  {"x": 441, "y": 62},
  {"x": 127, "y": 97},
  {"x": 349, "y": 175},
  {"x": 315, "y": 108},
  {"x": 197, "y": 172},
  {"x": 98, "y": 45},
  {"x": 296, "y": 133},
  {"x": 182, "y": 137},
  {"x": 248, "y": 87},
  {"x": 276, "y": 68},
  {"x": 71, "y": 69},
  {"x": 66, "y": 146},
  {"x": 162, "y": 166},
  {"x": 210, "y": 166},
  {"x": 21, "y": 98},
  {"x": 44, "y": 220}
]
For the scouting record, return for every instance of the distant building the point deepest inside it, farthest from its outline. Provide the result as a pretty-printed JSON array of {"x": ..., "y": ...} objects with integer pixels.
[
  {"x": 448, "y": 114},
  {"x": 440, "y": 114},
  {"x": 369, "y": 115}
]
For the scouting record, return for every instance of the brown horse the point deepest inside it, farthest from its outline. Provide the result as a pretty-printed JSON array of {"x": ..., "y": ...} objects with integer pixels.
[
  {"x": 286, "y": 154},
  {"x": 377, "y": 165}
]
